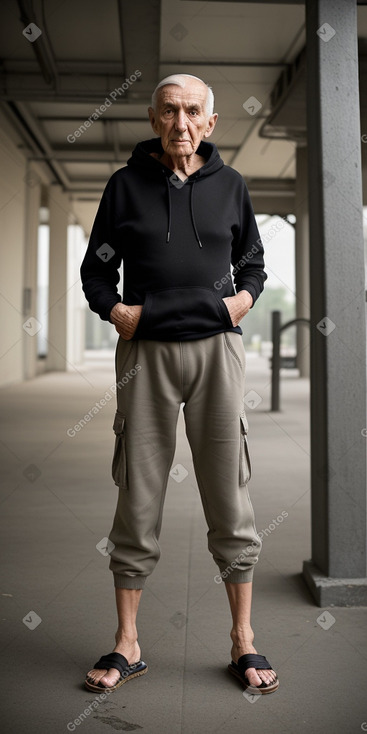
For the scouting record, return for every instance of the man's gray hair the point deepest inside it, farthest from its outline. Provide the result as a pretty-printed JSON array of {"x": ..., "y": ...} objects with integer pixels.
[{"x": 179, "y": 79}]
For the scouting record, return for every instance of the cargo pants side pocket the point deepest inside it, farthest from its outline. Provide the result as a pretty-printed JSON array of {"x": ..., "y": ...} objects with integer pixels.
[
  {"x": 119, "y": 464},
  {"x": 245, "y": 462}
]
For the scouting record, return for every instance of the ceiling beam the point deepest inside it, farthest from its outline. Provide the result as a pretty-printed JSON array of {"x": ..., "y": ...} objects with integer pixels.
[
  {"x": 271, "y": 186},
  {"x": 91, "y": 90},
  {"x": 140, "y": 23},
  {"x": 78, "y": 118},
  {"x": 111, "y": 68},
  {"x": 268, "y": 2},
  {"x": 42, "y": 49},
  {"x": 31, "y": 124},
  {"x": 94, "y": 68},
  {"x": 220, "y": 62},
  {"x": 121, "y": 32}
]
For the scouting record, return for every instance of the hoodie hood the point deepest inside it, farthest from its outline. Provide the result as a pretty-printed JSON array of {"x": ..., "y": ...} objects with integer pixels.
[{"x": 151, "y": 167}]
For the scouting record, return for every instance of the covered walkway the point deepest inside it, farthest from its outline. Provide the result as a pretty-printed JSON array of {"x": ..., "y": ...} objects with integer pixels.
[
  {"x": 57, "y": 595},
  {"x": 290, "y": 86}
]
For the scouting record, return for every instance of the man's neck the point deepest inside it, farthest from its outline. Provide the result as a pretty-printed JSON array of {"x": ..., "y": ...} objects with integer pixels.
[{"x": 183, "y": 166}]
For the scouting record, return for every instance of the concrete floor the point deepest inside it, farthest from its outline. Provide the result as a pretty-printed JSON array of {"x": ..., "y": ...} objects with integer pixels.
[{"x": 57, "y": 503}]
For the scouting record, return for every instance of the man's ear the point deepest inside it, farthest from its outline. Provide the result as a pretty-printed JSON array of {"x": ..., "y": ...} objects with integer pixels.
[
  {"x": 153, "y": 120},
  {"x": 211, "y": 125}
]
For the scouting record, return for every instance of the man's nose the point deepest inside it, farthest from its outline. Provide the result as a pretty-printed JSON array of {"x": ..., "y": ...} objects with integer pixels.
[{"x": 181, "y": 121}]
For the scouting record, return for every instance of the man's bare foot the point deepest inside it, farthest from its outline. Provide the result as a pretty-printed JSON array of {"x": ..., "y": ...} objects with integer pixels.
[
  {"x": 242, "y": 645},
  {"x": 125, "y": 646}
]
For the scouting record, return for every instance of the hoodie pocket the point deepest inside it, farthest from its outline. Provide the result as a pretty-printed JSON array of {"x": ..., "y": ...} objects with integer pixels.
[
  {"x": 119, "y": 466},
  {"x": 182, "y": 313},
  {"x": 245, "y": 463}
]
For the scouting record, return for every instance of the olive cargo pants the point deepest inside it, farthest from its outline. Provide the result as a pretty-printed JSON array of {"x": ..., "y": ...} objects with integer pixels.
[{"x": 153, "y": 379}]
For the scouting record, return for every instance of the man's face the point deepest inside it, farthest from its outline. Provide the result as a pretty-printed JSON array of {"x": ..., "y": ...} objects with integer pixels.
[{"x": 180, "y": 119}]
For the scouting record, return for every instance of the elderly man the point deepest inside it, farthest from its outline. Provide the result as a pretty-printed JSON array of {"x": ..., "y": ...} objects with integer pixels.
[{"x": 178, "y": 217}]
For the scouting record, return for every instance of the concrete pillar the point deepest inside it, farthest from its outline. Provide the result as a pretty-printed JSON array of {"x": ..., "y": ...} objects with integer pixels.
[
  {"x": 32, "y": 208},
  {"x": 76, "y": 303},
  {"x": 302, "y": 262},
  {"x": 59, "y": 207},
  {"x": 12, "y": 228},
  {"x": 363, "y": 109},
  {"x": 337, "y": 572}
]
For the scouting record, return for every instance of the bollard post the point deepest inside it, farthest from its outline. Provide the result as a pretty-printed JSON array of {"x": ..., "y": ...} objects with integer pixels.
[{"x": 275, "y": 362}]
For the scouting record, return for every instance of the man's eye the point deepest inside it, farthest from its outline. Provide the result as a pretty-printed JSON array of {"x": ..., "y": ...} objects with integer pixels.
[{"x": 194, "y": 112}]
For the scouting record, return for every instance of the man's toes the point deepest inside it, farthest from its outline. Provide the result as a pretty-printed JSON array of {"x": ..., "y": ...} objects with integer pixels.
[
  {"x": 96, "y": 675},
  {"x": 253, "y": 677},
  {"x": 272, "y": 676},
  {"x": 267, "y": 676},
  {"x": 262, "y": 676},
  {"x": 111, "y": 678},
  {"x": 257, "y": 677}
]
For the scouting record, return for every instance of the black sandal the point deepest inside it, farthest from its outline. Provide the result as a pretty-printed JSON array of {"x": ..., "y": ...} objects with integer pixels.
[
  {"x": 118, "y": 661},
  {"x": 259, "y": 662}
]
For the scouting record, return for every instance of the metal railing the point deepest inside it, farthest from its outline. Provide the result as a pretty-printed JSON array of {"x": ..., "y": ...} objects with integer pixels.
[{"x": 276, "y": 330}]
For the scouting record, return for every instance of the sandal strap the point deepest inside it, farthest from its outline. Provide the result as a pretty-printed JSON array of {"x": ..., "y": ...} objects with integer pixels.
[
  {"x": 252, "y": 660},
  {"x": 112, "y": 660}
]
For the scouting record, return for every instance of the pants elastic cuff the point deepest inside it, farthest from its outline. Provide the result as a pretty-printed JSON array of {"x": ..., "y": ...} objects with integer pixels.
[
  {"x": 238, "y": 577},
  {"x": 128, "y": 582}
]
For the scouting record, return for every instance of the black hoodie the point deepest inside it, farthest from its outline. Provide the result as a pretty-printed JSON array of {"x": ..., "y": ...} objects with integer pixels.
[{"x": 176, "y": 240}]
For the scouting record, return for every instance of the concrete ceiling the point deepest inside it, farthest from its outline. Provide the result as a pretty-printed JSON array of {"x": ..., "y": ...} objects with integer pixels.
[{"x": 53, "y": 84}]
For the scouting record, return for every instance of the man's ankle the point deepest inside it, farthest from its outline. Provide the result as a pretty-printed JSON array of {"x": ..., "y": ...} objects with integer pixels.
[
  {"x": 242, "y": 634},
  {"x": 129, "y": 637}
]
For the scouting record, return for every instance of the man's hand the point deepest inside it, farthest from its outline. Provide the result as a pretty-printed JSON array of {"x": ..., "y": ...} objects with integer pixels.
[
  {"x": 238, "y": 305},
  {"x": 126, "y": 319}
]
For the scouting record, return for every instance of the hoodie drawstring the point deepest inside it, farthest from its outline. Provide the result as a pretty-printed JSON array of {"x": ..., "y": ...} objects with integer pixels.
[
  {"x": 169, "y": 211},
  {"x": 191, "y": 212}
]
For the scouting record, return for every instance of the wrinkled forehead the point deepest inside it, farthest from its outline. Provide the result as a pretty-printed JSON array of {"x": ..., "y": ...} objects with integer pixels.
[{"x": 189, "y": 94}]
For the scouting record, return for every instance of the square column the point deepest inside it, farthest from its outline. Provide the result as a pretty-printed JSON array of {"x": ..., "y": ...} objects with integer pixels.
[
  {"x": 302, "y": 262},
  {"x": 59, "y": 207},
  {"x": 337, "y": 572},
  {"x": 32, "y": 210}
]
